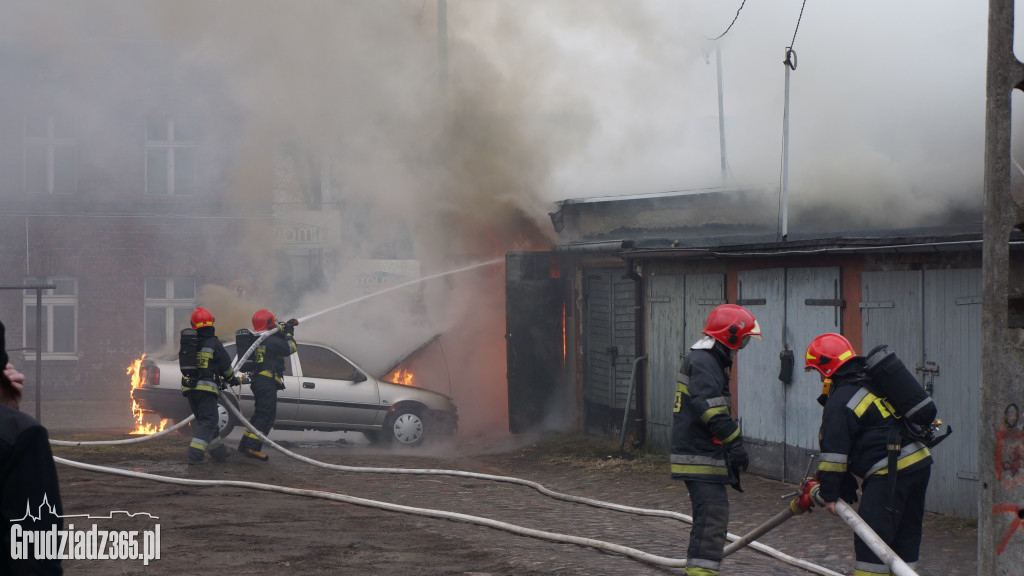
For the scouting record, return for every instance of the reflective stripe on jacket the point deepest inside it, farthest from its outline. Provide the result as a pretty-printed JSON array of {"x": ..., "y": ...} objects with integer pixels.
[
  {"x": 855, "y": 430},
  {"x": 701, "y": 414}
]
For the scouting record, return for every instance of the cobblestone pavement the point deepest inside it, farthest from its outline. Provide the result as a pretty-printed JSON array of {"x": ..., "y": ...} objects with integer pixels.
[{"x": 305, "y": 536}]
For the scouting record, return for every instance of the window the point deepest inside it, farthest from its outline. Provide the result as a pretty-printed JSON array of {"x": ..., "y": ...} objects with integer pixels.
[
  {"x": 169, "y": 306},
  {"x": 58, "y": 318},
  {"x": 319, "y": 362},
  {"x": 51, "y": 157},
  {"x": 170, "y": 157}
]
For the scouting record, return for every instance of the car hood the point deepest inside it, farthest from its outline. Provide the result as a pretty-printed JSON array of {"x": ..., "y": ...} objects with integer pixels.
[{"x": 377, "y": 358}]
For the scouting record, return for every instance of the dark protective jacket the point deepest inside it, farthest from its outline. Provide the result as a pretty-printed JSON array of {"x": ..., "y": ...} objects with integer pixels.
[
  {"x": 27, "y": 476},
  {"x": 270, "y": 354},
  {"x": 856, "y": 428},
  {"x": 212, "y": 363},
  {"x": 703, "y": 413}
]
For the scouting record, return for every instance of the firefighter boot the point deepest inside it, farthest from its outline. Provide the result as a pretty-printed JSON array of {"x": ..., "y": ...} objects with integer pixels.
[
  {"x": 252, "y": 453},
  {"x": 219, "y": 454},
  {"x": 196, "y": 457}
]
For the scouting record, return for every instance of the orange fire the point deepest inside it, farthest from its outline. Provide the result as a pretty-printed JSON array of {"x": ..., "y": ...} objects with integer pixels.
[
  {"x": 401, "y": 376},
  {"x": 140, "y": 427}
]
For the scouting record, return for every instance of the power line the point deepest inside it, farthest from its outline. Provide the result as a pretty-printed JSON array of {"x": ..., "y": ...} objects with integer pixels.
[
  {"x": 734, "y": 18},
  {"x": 800, "y": 17}
]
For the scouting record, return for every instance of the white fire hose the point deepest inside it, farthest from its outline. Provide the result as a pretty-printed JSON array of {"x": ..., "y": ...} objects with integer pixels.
[
  {"x": 589, "y": 542},
  {"x": 868, "y": 536},
  {"x": 126, "y": 440}
]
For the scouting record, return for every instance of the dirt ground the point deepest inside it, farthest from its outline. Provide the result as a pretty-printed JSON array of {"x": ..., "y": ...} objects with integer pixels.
[{"x": 233, "y": 530}]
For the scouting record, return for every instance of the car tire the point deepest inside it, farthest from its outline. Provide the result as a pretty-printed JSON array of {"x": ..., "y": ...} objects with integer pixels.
[
  {"x": 405, "y": 427},
  {"x": 226, "y": 421}
]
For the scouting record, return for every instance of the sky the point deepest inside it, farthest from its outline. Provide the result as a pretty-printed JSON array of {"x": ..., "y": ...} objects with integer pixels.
[{"x": 549, "y": 100}]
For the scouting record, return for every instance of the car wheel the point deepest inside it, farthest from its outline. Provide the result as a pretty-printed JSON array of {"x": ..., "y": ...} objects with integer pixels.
[
  {"x": 405, "y": 427},
  {"x": 226, "y": 421}
]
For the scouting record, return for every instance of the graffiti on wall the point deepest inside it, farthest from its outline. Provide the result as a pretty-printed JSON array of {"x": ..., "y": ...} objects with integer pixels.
[{"x": 1009, "y": 458}]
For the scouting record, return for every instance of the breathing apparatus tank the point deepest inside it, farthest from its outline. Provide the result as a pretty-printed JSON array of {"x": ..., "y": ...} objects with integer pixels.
[
  {"x": 913, "y": 405},
  {"x": 244, "y": 339},
  {"x": 188, "y": 353}
]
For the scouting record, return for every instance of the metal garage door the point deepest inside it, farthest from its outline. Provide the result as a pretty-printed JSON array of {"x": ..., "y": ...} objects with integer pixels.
[
  {"x": 780, "y": 420},
  {"x": 932, "y": 320},
  {"x": 676, "y": 309},
  {"x": 609, "y": 345}
]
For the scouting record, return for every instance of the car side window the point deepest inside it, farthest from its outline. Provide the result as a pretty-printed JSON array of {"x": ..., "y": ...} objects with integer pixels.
[{"x": 319, "y": 362}]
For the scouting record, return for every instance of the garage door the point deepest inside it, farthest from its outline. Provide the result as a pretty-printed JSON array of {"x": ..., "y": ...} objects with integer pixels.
[
  {"x": 932, "y": 320},
  {"x": 780, "y": 420}
]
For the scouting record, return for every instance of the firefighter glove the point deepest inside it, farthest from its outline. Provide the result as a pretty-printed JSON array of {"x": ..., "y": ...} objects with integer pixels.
[
  {"x": 737, "y": 456},
  {"x": 288, "y": 328}
]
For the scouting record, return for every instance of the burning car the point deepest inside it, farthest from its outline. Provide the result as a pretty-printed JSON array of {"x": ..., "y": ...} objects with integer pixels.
[{"x": 324, "y": 390}]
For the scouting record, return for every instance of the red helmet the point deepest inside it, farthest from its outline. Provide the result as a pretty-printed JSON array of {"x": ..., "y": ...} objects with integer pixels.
[
  {"x": 201, "y": 317},
  {"x": 732, "y": 325},
  {"x": 827, "y": 353},
  {"x": 263, "y": 319}
]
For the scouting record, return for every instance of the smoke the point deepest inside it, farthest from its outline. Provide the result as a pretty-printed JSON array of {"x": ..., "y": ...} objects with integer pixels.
[{"x": 544, "y": 101}]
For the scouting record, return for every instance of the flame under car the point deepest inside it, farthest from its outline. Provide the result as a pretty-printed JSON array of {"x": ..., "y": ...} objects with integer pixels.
[{"x": 324, "y": 390}]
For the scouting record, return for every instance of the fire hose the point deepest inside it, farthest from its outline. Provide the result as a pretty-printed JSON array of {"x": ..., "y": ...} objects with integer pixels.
[
  {"x": 588, "y": 542},
  {"x": 808, "y": 496},
  {"x": 263, "y": 336}
]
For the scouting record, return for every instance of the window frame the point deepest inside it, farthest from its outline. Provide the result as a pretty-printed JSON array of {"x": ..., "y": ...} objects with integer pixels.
[
  {"x": 48, "y": 301},
  {"x": 50, "y": 143},
  {"x": 169, "y": 145},
  {"x": 169, "y": 303}
]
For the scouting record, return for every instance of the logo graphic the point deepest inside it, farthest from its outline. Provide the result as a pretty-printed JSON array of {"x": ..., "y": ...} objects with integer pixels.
[{"x": 90, "y": 544}]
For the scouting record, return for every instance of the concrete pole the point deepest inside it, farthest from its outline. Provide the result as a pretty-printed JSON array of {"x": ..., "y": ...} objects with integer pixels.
[
  {"x": 1001, "y": 428},
  {"x": 721, "y": 108},
  {"x": 790, "y": 65},
  {"x": 442, "y": 45}
]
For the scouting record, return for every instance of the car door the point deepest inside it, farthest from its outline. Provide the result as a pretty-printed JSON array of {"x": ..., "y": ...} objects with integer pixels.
[
  {"x": 287, "y": 399},
  {"x": 333, "y": 392}
]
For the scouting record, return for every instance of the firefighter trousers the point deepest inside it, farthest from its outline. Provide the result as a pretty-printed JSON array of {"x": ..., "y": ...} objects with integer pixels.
[
  {"x": 710, "y": 525},
  {"x": 264, "y": 391},
  {"x": 899, "y": 525},
  {"x": 206, "y": 432}
]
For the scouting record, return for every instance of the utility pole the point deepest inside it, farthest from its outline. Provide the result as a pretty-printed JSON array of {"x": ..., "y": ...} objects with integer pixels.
[
  {"x": 790, "y": 64},
  {"x": 442, "y": 46},
  {"x": 1000, "y": 423},
  {"x": 721, "y": 108}
]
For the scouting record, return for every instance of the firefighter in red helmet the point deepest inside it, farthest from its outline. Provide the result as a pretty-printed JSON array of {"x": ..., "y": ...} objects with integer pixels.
[
  {"x": 707, "y": 448},
  {"x": 205, "y": 371},
  {"x": 268, "y": 378},
  {"x": 860, "y": 438}
]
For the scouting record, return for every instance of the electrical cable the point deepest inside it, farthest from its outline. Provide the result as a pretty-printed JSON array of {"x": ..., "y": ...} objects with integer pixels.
[{"x": 734, "y": 18}]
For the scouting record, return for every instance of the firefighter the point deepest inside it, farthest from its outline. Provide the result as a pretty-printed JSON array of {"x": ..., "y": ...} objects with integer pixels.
[
  {"x": 707, "y": 448},
  {"x": 268, "y": 378},
  {"x": 860, "y": 438},
  {"x": 201, "y": 382}
]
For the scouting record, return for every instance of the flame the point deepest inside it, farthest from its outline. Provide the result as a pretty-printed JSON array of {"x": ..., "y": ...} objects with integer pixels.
[
  {"x": 140, "y": 426},
  {"x": 402, "y": 376}
]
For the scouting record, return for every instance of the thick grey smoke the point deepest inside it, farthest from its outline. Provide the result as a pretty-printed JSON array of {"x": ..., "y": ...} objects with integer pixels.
[{"x": 546, "y": 100}]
